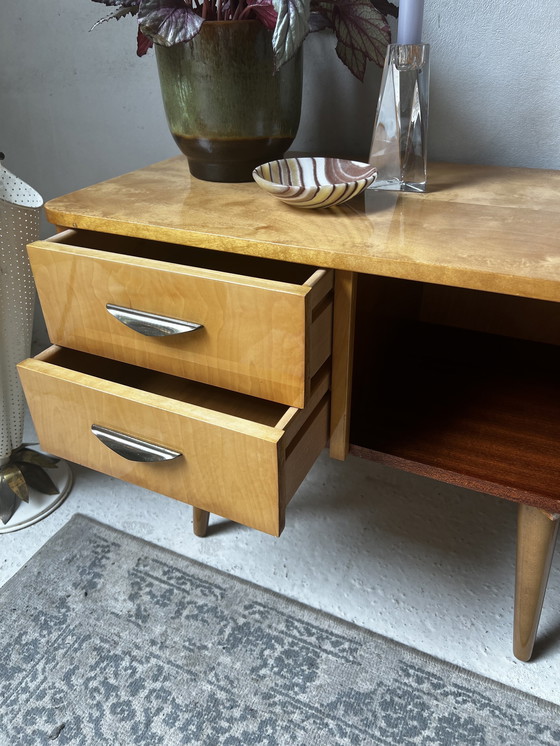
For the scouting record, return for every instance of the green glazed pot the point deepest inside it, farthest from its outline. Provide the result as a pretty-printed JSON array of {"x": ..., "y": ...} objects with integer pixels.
[{"x": 226, "y": 108}]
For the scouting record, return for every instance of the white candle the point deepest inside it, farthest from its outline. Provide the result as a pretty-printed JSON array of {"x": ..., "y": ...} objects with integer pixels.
[{"x": 409, "y": 29}]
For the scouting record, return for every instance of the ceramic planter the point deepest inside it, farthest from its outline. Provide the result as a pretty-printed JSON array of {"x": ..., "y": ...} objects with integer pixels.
[{"x": 227, "y": 109}]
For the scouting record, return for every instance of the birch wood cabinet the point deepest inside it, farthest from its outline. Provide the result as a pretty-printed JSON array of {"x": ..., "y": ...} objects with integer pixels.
[{"x": 219, "y": 337}]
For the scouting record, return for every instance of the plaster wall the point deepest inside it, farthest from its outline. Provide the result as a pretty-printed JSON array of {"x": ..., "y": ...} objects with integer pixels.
[
  {"x": 422, "y": 562},
  {"x": 79, "y": 107}
]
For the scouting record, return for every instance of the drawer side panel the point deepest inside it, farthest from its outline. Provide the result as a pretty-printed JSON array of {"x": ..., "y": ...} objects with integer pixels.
[{"x": 306, "y": 447}]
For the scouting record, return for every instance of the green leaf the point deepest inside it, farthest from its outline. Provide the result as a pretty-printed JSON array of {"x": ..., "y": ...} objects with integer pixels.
[
  {"x": 15, "y": 480},
  {"x": 168, "y": 22},
  {"x": 291, "y": 29},
  {"x": 38, "y": 479},
  {"x": 8, "y": 501},
  {"x": 119, "y": 3},
  {"x": 354, "y": 59},
  {"x": 119, "y": 13},
  {"x": 28, "y": 456},
  {"x": 386, "y": 8},
  {"x": 361, "y": 30}
]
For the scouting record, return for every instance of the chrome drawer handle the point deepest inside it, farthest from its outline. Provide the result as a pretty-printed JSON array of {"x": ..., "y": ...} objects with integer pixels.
[
  {"x": 151, "y": 324},
  {"x": 131, "y": 448}
]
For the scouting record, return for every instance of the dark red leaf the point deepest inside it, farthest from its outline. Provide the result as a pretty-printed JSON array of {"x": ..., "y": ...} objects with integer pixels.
[
  {"x": 168, "y": 22},
  {"x": 354, "y": 59},
  {"x": 362, "y": 33},
  {"x": 263, "y": 10},
  {"x": 121, "y": 11},
  {"x": 143, "y": 44}
]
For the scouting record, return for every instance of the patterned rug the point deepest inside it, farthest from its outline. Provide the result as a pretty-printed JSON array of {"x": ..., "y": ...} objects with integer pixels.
[{"x": 109, "y": 640}]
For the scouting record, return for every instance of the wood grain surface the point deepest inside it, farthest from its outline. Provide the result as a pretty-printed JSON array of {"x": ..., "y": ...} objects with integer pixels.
[
  {"x": 480, "y": 227},
  {"x": 468, "y": 408},
  {"x": 234, "y": 462},
  {"x": 261, "y": 336}
]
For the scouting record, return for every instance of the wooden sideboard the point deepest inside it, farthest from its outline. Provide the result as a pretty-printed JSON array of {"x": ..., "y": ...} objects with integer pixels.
[{"x": 445, "y": 332}]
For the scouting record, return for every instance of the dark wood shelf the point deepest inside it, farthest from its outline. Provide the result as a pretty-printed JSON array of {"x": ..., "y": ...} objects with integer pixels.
[{"x": 469, "y": 408}]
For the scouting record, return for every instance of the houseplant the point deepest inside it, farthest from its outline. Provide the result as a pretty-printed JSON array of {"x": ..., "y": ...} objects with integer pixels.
[{"x": 231, "y": 70}]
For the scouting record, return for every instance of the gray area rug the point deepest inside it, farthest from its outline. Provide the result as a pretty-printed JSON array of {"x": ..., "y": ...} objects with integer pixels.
[{"x": 108, "y": 639}]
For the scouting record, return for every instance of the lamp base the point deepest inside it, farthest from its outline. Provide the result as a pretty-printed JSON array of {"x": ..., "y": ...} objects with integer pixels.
[{"x": 41, "y": 505}]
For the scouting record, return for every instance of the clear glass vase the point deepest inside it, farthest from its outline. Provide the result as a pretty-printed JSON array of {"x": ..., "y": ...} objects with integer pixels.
[{"x": 400, "y": 134}]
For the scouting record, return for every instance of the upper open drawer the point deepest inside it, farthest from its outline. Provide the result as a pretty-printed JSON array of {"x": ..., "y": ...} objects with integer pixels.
[{"x": 257, "y": 326}]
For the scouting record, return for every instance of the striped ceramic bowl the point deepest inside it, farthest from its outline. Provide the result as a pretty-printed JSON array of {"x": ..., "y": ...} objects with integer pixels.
[{"x": 314, "y": 182}]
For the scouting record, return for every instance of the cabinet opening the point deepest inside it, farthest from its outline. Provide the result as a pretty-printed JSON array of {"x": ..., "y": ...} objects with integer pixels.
[{"x": 464, "y": 405}]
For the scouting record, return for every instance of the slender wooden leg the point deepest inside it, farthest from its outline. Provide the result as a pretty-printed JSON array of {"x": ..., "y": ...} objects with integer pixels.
[
  {"x": 342, "y": 359},
  {"x": 200, "y": 521},
  {"x": 536, "y": 536}
]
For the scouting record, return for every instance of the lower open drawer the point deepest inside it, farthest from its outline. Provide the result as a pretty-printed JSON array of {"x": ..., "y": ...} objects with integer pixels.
[{"x": 227, "y": 453}]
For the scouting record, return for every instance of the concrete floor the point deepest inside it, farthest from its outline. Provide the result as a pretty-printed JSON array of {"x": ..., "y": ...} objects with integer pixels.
[{"x": 427, "y": 564}]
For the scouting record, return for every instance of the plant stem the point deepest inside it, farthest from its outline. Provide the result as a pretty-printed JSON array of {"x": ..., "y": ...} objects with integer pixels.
[{"x": 238, "y": 11}]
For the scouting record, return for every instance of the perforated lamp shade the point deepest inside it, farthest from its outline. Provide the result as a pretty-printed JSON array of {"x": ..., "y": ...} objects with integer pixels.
[{"x": 20, "y": 209}]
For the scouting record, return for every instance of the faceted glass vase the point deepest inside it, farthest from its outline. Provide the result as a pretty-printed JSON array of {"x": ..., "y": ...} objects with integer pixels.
[{"x": 400, "y": 134}]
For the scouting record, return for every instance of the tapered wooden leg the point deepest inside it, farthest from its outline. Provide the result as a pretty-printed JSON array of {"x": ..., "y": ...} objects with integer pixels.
[
  {"x": 200, "y": 521},
  {"x": 536, "y": 537}
]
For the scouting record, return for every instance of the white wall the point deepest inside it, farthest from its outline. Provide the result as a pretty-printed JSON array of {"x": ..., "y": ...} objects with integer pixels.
[
  {"x": 78, "y": 107},
  {"x": 495, "y": 88}
]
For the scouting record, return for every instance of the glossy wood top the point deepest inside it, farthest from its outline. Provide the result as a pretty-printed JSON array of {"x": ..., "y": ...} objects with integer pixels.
[{"x": 481, "y": 227}]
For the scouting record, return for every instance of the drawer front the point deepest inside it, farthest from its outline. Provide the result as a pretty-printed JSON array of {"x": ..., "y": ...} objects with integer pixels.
[
  {"x": 228, "y": 465},
  {"x": 257, "y": 336}
]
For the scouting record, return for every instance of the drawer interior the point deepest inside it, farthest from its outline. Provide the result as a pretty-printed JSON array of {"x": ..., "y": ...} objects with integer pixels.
[
  {"x": 216, "y": 399},
  {"x": 265, "y": 326},
  {"x": 239, "y": 264},
  {"x": 238, "y": 456}
]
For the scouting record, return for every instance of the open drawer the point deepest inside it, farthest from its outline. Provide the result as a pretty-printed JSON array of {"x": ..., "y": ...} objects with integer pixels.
[
  {"x": 258, "y": 326},
  {"x": 231, "y": 454}
]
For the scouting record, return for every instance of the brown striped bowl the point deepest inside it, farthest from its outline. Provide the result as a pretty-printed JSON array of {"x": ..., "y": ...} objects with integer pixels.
[{"x": 314, "y": 182}]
